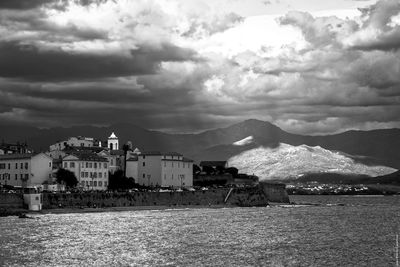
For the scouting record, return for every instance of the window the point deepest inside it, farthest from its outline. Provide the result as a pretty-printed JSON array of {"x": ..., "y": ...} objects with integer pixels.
[
  {"x": 90, "y": 165},
  {"x": 105, "y": 183},
  {"x": 111, "y": 161},
  {"x": 100, "y": 175},
  {"x": 87, "y": 164},
  {"x": 100, "y": 183},
  {"x": 26, "y": 165},
  {"x": 144, "y": 156},
  {"x": 82, "y": 165},
  {"x": 82, "y": 174},
  {"x": 87, "y": 183},
  {"x": 16, "y": 165},
  {"x": 95, "y": 183},
  {"x": 95, "y": 175},
  {"x": 144, "y": 163},
  {"x": 50, "y": 164},
  {"x": 95, "y": 165},
  {"x": 144, "y": 175},
  {"x": 9, "y": 166},
  {"x": 16, "y": 176},
  {"x": 105, "y": 175},
  {"x": 21, "y": 176},
  {"x": 86, "y": 174},
  {"x": 26, "y": 176},
  {"x": 105, "y": 165},
  {"x": 72, "y": 164},
  {"x": 65, "y": 165},
  {"x": 83, "y": 183},
  {"x": 22, "y": 165},
  {"x": 91, "y": 183},
  {"x": 2, "y": 166}
]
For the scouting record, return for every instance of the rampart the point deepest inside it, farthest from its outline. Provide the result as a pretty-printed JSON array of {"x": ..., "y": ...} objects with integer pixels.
[
  {"x": 249, "y": 196},
  {"x": 11, "y": 201},
  {"x": 275, "y": 192},
  {"x": 238, "y": 197}
]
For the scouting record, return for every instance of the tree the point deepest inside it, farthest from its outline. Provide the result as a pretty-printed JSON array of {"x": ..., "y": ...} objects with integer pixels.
[
  {"x": 117, "y": 181},
  {"x": 66, "y": 177},
  {"x": 125, "y": 148},
  {"x": 232, "y": 170},
  {"x": 196, "y": 169},
  {"x": 209, "y": 170}
]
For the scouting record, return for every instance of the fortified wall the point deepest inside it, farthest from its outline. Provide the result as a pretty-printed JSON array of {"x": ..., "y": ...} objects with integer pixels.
[
  {"x": 275, "y": 192},
  {"x": 222, "y": 196},
  {"x": 14, "y": 201},
  {"x": 250, "y": 196}
]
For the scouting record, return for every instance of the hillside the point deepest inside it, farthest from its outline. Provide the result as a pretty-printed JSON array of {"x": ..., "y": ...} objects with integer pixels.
[{"x": 292, "y": 162}]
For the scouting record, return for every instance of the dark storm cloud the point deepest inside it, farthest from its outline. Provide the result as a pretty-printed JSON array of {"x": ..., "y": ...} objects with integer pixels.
[
  {"x": 31, "y": 4},
  {"x": 22, "y": 4},
  {"x": 28, "y": 62}
]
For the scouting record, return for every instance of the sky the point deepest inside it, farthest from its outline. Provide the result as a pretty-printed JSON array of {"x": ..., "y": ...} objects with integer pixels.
[{"x": 308, "y": 66}]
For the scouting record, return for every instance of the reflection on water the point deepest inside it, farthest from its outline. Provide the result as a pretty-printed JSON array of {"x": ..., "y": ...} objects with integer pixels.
[{"x": 360, "y": 233}]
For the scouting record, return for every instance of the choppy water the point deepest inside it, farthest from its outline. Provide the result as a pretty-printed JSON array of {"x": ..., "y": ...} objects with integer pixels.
[{"x": 361, "y": 233}]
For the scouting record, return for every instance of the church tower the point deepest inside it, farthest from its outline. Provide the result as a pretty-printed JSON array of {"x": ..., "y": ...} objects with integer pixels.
[{"x": 112, "y": 142}]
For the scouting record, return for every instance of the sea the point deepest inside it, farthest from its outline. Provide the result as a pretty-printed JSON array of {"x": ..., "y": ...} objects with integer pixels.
[{"x": 342, "y": 231}]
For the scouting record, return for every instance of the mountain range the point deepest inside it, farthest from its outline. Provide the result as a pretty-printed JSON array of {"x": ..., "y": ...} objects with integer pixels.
[{"x": 375, "y": 147}]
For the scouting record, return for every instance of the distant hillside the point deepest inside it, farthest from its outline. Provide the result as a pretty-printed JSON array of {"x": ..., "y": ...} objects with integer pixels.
[
  {"x": 377, "y": 147},
  {"x": 337, "y": 178}
]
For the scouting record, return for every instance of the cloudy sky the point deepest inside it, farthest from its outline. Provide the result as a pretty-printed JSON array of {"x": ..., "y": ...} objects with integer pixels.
[{"x": 308, "y": 66}]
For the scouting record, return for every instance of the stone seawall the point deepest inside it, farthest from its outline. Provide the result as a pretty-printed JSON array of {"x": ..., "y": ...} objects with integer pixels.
[
  {"x": 238, "y": 197},
  {"x": 275, "y": 192},
  {"x": 15, "y": 201}
]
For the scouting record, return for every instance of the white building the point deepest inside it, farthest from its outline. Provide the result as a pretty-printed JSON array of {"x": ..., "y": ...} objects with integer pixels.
[
  {"x": 112, "y": 142},
  {"x": 25, "y": 169},
  {"x": 90, "y": 170},
  {"x": 162, "y": 169}
]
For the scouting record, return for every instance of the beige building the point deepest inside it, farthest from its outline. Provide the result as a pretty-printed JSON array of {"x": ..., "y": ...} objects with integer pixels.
[
  {"x": 132, "y": 170},
  {"x": 25, "y": 169},
  {"x": 90, "y": 170},
  {"x": 168, "y": 169}
]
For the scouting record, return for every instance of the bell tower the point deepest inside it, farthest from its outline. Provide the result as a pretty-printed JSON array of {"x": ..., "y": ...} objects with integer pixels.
[{"x": 112, "y": 142}]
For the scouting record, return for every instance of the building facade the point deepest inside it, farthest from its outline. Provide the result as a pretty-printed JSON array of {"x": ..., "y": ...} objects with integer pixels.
[
  {"x": 25, "y": 169},
  {"x": 90, "y": 170},
  {"x": 164, "y": 169}
]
